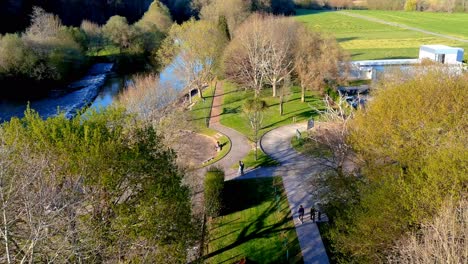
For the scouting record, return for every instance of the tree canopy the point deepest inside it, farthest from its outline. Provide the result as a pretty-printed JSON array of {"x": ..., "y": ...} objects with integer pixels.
[{"x": 100, "y": 188}]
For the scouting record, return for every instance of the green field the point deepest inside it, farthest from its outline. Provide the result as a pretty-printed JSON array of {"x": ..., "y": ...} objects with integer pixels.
[
  {"x": 371, "y": 40},
  {"x": 294, "y": 111},
  {"x": 256, "y": 225},
  {"x": 450, "y": 24}
]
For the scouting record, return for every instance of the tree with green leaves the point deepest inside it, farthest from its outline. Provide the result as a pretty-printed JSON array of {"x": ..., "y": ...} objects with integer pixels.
[
  {"x": 118, "y": 32},
  {"x": 99, "y": 188},
  {"x": 194, "y": 49},
  {"x": 412, "y": 140},
  {"x": 213, "y": 185}
]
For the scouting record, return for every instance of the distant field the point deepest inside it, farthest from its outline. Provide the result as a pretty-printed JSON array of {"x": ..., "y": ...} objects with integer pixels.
[
  {"x": 451, "y": 24},
  {"x": 371, "y": 40}
]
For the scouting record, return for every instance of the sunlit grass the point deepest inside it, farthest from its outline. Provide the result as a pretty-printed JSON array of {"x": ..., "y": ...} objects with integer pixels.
[
  {"x": 371, "y": 40},
  {"x": 256, "y": 225}
]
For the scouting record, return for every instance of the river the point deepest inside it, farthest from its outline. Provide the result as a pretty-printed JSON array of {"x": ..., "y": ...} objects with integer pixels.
[{"x": 97, "y": 89}]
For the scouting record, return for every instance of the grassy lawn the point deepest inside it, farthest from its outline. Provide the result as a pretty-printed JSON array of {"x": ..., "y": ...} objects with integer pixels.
[
  {"x": 371, "y": 40},
  {"x": 201, "y": 110},
  {"x": 309, "y": 147},
  {"x": 233, "y": 116},
  {"x": 256, "y": 225},
  {"x": 263, "y": 160},
  {"x": 450, "y": 24}
]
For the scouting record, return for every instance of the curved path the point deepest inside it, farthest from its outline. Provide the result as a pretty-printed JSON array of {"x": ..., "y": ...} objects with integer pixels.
[
  {"x": 295, "y": 169},
  {"x": 381, "y": 21},
  {"x": 240, "y": 146}
]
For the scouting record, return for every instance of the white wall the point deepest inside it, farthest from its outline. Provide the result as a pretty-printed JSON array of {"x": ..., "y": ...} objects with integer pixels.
[
  {"x": 451, "y": 58},
  {"x": 426, "y": 55}
]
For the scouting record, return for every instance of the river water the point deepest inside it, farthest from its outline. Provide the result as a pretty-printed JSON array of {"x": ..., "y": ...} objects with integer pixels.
[{"x": 97, "y": 89}]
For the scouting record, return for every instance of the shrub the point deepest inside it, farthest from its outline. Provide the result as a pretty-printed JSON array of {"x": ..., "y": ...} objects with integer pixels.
[{"x": 214, "y": 184}]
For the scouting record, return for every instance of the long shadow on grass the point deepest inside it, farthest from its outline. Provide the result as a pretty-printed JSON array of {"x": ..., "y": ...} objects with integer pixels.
[
  {"x": 303, "y": 115},
  {"x": 243, "y": 194}
]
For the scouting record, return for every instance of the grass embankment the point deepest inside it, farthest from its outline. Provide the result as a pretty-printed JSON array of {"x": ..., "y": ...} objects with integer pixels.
[
  {"x": 263, "y": 160},
  {"x": 234, "y": 99},
  {"x": 200, "y": 115},
  {"x": 371, "y": 40},
  {"x": 310, "y": 147},
  {"x": 256, "y": 225}
]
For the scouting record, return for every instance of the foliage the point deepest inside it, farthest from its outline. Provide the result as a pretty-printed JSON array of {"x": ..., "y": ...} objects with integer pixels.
[
  {"x": 118, "y": 31},
  {"x": 106, "y": 186},
  {"x": 318, "y": 61},
  {"x": 412, "y": 138},
  {"x": 233, "y": 11},
  {"x": 257, "y": 224},
  {"x": 214, "y": 184},
  {"x": 441, "y": 240},
  {"x": 194, "y": 49}
]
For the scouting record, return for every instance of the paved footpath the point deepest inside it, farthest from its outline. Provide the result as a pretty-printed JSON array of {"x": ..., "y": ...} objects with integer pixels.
[
  {"x": 240, "y": 146},
  {"x": 295, "y": 169}
]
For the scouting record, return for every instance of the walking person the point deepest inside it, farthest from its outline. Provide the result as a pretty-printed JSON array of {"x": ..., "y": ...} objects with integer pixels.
[
  {"x": 241, "y": 167},
  {"x": 312, "y": 214},
  {"x": 301, "y": 213}
]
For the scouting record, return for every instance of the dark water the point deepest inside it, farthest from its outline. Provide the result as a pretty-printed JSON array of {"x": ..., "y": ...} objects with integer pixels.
[{"x": 97, "y": 89}]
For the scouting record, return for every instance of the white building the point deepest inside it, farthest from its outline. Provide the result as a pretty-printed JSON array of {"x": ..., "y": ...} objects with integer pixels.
[{"x": 441, "y": 53}]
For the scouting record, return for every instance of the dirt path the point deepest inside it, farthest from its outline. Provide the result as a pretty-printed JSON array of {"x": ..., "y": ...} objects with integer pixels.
[{"x": 377, "y": 20}]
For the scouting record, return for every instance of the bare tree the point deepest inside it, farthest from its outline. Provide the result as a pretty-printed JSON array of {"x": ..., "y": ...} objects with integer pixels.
[
  {"x": 246, "y": 57},
  {"x": 319, "y": 61},
  {"x": 441, "y": 240},
  {"x": 282, "y": 35},
  {"x": 254, "y": 109}
]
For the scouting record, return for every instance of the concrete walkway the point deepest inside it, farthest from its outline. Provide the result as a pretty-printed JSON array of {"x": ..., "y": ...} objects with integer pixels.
[
  {"x": 240, "y": 146},
  {"x": 295, "y": 169}
]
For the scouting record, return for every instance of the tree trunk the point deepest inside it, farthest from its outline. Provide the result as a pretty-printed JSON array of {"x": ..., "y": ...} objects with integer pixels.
[
  {"x": 256, "y": 149},
  {"x": 274, "y": 88},
  {"x": 302, "y": 94},
  {"x": 200, "y": 93},
  {"x": 281, "y": 105}
]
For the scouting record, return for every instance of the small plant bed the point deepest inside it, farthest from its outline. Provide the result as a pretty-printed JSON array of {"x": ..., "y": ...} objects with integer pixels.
[
  {"x": 310, "y": 147},
  {"x": 263, "y": 160},
  {"x": 256, "y": 225},
  {"x": 294, "y": 110},
  {"x": 225, "y": 143}
]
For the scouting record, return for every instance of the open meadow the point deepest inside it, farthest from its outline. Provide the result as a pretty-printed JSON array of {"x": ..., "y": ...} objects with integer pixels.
[{"x": 372, "y": 40}]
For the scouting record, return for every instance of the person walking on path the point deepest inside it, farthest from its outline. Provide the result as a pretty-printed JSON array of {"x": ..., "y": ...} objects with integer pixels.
[
  {"x": 312, "y": 214},
  {"x": 241, "y": 167},
  {"x": 301, "y": 213}
]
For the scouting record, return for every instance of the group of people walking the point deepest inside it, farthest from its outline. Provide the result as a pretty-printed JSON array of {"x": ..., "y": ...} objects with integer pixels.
[{"x": 313, "y": 212}]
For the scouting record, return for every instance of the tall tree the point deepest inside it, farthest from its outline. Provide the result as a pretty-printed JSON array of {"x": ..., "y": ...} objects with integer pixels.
[
  {"x": 282, "y": 36},
  {"x": 254, "y": 109},
  {"x": 234, "y": 11},
  {"x": 118, "y": 31},
  {"x": 194, "y": 49},
  {"x": 318, "y": 60}
]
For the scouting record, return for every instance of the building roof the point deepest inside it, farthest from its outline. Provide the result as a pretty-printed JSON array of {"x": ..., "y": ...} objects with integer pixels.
[{"x": 440, "y": 49}]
